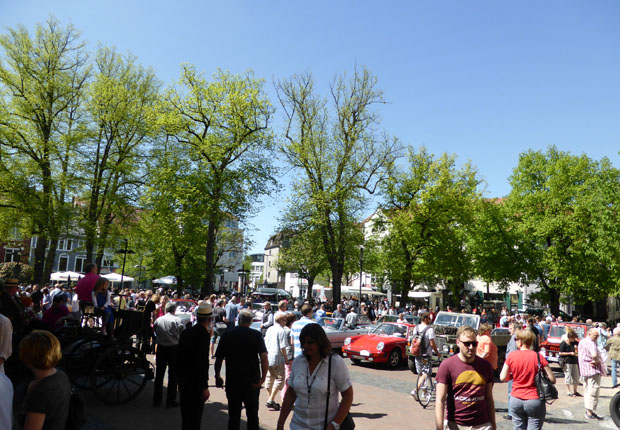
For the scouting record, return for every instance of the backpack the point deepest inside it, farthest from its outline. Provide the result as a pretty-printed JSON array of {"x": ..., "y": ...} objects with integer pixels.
[
  {"x": 418, "y": 342},
  {"x": 77, "y": 412}
]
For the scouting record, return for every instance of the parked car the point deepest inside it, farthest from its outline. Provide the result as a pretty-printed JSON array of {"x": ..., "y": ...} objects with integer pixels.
[
  {"x": 385, "y": 344},
  {"x": 550, "y": 348},
  {"x": 337, "y": 331}
]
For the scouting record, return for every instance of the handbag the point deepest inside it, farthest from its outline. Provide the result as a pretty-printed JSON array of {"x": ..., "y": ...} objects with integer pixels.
[
  {"x": 546, "y": 389},
  {"x": 348, "y": 423}
]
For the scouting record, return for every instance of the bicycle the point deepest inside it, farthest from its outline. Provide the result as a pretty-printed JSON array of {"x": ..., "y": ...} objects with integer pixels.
[{"x": 425, "y": 384}]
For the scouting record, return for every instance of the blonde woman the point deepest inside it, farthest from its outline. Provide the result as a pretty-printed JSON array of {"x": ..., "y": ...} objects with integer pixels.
[{"x": 48, "y": 396}]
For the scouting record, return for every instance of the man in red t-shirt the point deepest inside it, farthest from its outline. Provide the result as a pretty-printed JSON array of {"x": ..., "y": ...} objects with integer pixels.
[
  {"x": 85, "y": 286},
  {"x": 465, "y": 388}
]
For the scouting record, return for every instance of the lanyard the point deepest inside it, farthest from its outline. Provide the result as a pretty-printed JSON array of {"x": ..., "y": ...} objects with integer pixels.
[{"x": 309, "y": 381}]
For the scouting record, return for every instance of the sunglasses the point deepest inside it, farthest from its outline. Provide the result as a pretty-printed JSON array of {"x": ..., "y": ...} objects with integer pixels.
[{"x": 469, "y": 344}]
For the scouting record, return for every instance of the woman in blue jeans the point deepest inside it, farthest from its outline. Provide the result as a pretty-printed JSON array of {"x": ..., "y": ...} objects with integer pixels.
[{"x": 527, "y": 410}]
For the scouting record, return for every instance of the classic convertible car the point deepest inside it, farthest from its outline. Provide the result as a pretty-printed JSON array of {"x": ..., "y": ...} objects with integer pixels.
[
  {"x": 337, "y": 330},
  {"x": 385, "y": 344}
]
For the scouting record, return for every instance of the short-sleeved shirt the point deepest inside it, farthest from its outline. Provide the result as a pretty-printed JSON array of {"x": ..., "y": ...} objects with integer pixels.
[
  {"x": 428, "y": 336},
  {"x": 466, "y": 383},
  {"x": 241, "y": 347},
  {"x": 232, "y": 311},
  {"x": 309, "y": 412},
  {"x": 275, "y": 341},
  {"x": 296, "y": 331},
  {"x": 51, "y": 396},
  {"x": 569, "y": 347},
  {"x": 523, "y": 366},
  {"x": 486, "y": 346}
]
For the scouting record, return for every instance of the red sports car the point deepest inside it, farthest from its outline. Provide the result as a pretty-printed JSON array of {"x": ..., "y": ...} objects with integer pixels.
[{"x": 385, "y": 344}]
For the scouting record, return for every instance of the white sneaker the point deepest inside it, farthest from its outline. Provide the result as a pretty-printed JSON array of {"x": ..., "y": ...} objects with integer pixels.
[{"x": 414, "y": 393}]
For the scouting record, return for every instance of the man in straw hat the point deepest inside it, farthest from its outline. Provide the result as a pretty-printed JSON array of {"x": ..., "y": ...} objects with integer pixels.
[{"x": 193, "y": 368}]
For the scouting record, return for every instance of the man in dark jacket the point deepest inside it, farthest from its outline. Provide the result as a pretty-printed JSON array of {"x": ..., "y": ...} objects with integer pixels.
[
  {"x": 243, "y": 349},
  {"x": 194, "y": 368}
]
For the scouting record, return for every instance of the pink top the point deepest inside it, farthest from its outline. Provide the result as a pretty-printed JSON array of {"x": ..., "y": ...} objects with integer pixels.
[
  {"x": 85, "y": 287},
  {"x": 587, "y": 350}
]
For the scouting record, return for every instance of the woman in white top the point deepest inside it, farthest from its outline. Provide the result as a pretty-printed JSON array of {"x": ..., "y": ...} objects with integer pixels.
[{"x": 308, "y": 385}]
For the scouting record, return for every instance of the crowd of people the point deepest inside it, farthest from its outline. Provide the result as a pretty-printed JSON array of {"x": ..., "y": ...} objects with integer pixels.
[{"x": 287, "y": 354}]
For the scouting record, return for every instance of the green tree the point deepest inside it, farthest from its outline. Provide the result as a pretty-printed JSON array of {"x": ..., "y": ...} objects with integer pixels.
[
  {"x": 303, "y": 254},
  {"x": 121, "y": 106},
  {"x": 339, "y": 154},
  {"x": 428, "y": 209},
  {"x": 42, "y": 79},
  {"x": 223, "y": 126},
  {"x": 564, "y": 208}
]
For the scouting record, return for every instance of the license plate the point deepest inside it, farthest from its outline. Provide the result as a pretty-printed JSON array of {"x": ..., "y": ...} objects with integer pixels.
[{"x": 364, "y": 353}]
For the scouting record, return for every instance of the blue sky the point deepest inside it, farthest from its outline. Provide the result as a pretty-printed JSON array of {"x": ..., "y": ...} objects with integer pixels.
[{"x": 485, "y": 80}]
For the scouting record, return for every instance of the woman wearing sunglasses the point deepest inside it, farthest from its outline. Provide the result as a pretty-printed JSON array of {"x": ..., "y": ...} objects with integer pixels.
[
  {"x": 525, "y": 408},
  {"x": 308, "y": 385}
]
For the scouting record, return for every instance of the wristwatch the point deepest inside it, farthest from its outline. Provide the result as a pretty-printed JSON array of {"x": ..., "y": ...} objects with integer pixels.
[{"x": 336, "y": 425}]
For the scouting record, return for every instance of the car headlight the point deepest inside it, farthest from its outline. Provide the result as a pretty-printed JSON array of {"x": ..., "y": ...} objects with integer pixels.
[
  {"x": 347, "y": 341},
  {"x": 446, "y": 348},
  {"x": 380, "y": 346},
  {"x": 543, "y": 351}
]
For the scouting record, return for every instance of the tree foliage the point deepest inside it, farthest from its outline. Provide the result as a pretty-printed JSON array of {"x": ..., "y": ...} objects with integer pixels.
[
  {"x": 564, "y": 208},
  {"x": 428, "y": 210},
  {"x": 223, "y": 127},
  {"x": 339, "y": 153}
]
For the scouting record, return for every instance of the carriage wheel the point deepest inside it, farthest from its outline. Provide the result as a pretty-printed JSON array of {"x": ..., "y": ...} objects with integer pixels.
[
  {"x": 120, "y": 374},
  {"x": 77, "y": 361}
]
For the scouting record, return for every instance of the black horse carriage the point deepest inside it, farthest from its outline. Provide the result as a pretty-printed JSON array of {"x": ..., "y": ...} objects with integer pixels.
[{"x": 115, "y": 369}]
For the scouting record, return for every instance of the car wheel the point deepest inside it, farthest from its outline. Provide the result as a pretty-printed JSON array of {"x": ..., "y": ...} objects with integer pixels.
[
  {"x": 411, "y": 365},
  {"x": 394, "y": 358},
  {"x": 614, "y": 408},
  {"x": 356, "y": 361}
]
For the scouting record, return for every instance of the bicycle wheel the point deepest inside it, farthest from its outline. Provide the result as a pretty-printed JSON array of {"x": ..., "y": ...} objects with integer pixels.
[{"x": 424, "y": 384}]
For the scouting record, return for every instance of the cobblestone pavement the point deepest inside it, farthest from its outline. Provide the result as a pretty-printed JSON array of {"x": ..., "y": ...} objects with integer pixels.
[{"x": 381, "y": 399}]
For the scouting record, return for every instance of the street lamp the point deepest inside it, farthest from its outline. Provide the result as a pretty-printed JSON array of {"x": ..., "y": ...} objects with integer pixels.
[
  {"x": 124, "y": 251},
  {"x": 361, "y": 268}
]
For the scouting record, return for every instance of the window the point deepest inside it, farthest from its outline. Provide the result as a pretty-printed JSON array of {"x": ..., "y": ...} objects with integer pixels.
[
  {"x": 63, "y": 263},
  {"x": 80, "y": 262},
  {"x": 107, "y": 263},
  {"x": 65, "y": 244},
  {"x": 11, "y": 254}
]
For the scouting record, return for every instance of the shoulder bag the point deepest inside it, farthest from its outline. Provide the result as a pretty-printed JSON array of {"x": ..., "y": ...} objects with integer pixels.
[
  {"x": 546, "y": 389},
  {"x": 348, "y": 423}
]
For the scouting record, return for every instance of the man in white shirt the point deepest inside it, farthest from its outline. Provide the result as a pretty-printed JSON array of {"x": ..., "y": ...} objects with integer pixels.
[
  {"x": 427, "y": 332},
  {"x": 275, "y": 341},
  {"x": 167, "y": 330},
  {"x": 351, "y": 318}
]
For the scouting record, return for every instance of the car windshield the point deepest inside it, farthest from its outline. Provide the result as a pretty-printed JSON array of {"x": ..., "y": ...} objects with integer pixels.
[
  {"x": 331, "y": 323},
  {"x": 560, "y": 330},
  {"x": 363, "y": 320},
  {"x": 397, "y": 330},
  {"x": 456, "y": 320},
  {"x": 184, "y": 305}
]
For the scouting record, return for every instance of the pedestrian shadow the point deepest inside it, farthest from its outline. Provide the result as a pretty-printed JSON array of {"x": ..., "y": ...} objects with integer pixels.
[
  {"x": 555, "y": 420},
  {"x": 368, "y": 415}
]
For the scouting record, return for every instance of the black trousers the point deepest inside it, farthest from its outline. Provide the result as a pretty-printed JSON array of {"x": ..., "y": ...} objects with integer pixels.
[
  {"x": 191, "y": 406},
  {"x": 167, "y": 356},
  {"x": 249, "y": 398}
]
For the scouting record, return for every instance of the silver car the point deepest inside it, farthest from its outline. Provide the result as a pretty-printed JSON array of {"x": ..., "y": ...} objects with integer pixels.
[{"x": 337, "y": 330}]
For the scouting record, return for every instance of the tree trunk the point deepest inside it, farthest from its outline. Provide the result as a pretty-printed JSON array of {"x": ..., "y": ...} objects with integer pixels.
[
  {"x": 49, "y": 259},
  {"x": 39, "y": 259},
  {"x": 207, "y": 287}
]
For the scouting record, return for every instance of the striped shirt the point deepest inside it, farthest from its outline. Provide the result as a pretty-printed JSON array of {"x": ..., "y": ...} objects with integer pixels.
[
  {"x": 586, "y": 353},
  {"x": 296, "y": 331}
]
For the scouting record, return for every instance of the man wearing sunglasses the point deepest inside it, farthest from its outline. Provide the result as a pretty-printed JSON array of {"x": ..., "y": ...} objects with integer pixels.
[{"x": 465, "y": 388}]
